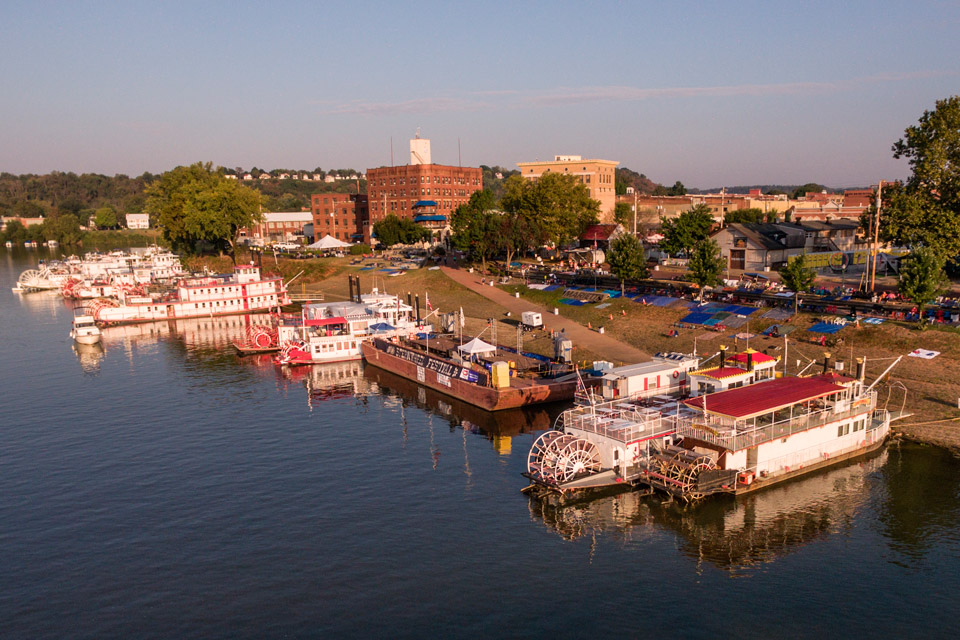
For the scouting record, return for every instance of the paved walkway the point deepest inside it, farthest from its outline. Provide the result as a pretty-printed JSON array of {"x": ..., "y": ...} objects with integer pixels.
[{"x": 602, "y": 345}]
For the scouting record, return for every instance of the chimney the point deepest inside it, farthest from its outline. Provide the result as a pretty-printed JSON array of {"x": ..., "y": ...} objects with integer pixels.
[
  {"x": 409, "y": 299},
  {"x": 417, "y": 298},
  {"x": 861, "y": 369},
  {"x": 723, "y": 354},
  {"x": 749, "y": 360},
  {"x": 350, "y": 282},
  {"x": 826, "y": 363}
]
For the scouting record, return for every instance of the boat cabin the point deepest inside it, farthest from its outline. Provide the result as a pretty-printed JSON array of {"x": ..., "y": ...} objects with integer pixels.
[{"x": 739, "y": 370}]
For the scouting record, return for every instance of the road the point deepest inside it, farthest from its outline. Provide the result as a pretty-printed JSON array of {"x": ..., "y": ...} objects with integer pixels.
[{"x": 602, "y": 345}]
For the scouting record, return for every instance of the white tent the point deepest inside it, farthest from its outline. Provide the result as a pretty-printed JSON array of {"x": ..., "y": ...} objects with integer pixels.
[
  {"x": 328, "y": 242},
  {"x": 477, "y": 346}
]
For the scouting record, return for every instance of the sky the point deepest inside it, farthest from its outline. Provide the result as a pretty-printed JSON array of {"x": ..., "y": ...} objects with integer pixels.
[{"x": 708, "y": 93}]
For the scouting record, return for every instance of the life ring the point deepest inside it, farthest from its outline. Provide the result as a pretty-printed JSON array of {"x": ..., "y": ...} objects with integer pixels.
[{"x": 676, "y": 374}]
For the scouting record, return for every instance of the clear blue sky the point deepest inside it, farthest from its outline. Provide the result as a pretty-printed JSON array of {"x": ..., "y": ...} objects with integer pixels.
[{"x": 708, "y": 93}]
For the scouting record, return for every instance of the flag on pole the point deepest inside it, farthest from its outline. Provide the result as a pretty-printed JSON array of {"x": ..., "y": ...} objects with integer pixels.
[
  {"x": 462, "y": 321},
  {"x": 429, "y": 306}
]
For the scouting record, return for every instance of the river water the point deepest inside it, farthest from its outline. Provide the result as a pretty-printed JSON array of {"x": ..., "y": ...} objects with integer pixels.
[{"x": 163, "y": 487}]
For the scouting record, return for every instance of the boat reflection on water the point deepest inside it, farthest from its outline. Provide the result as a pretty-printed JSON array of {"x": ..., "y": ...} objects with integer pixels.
[
  {"x": 497, "y": 426},
  {"x": 323, "y": 382},
  {"x": 195, "y": 333},
  {"x": 731, "y": 533},
  {"x": 89, "y": 355}
]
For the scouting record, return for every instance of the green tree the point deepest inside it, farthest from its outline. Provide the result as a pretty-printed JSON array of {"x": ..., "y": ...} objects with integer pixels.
[
  {"x": 558, "y": 204},
  {"x": 803, "y": 190},
  {"x": 706, "y": 265},
  {"x": 677, "y": 189},
  {"x": 626, "y": 258},
  {"x": 623, "y": 214},
  {"x": 797, "y": 277},
  {"x": 393, "y": 230},
  {"x": 754, "y": 215},
  {"x": 105, "y": 218},
  {"x": 196, "y": 205},
  {"x": 15, "y": 232},
  {"x": 65, "y": 229},
  {"x": 686, "y": 230},
  {"x": 922, "y": 278},
  {"x": 926, "y": 209}
]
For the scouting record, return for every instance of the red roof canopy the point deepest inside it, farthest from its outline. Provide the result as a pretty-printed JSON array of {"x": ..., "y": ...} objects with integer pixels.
[
  {"x": 764, "y": 397},
  {"x": 757, "y": 357},
  {"x": 598, "y": 232},
  {"x": 322, "y": 322}
]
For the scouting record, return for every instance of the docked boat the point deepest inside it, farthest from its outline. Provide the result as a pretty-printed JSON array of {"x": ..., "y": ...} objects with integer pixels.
[
  {"x": 243, "y": 291},
  {"x": 84, "y": 329},
  {"x": 333, "y": 331},
  {"x": 740, "y": 429},
  {"x": 101, "y": 274},
  {"x": 478, "y": 374}
]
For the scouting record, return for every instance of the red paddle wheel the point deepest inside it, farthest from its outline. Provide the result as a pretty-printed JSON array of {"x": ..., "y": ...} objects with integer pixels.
[
  {"x": 98, "y": 305},
  {"x": 68, "y": 288}
]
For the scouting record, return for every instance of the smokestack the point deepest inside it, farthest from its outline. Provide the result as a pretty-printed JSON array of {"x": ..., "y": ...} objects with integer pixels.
[
  {"x": 826, "y": 363},
  {"x": 417, "y": 299},
  {"x": 723, "y": 354},
  {"x": 861, "y": 369},
  {"x": 749, "y": 360},
  {"x": 350, "y": 282}
]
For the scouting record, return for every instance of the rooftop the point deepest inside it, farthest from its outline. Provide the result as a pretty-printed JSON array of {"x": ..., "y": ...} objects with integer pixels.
[{"x": 765, "y": 397}]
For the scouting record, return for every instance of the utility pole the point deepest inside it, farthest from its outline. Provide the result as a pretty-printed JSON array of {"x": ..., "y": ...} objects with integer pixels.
[
  {"x": 876, "y": 239},
  {"x": 722, "y": 193},
  {"x": 634, "y": 211}
]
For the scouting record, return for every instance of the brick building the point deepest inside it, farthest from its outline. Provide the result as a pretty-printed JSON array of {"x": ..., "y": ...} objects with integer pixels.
[
  {"x": 344, "y": 216},
  {"x": 397, "y": 190}
]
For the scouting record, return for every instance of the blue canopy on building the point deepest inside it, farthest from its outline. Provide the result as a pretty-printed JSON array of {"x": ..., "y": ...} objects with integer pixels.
[
  {"x": 425, "y": 203},
  {"x": 431, "y": 218}
]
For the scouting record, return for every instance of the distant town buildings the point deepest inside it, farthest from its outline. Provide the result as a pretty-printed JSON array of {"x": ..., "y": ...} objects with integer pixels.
[
  {"x": 598, "y": 176},
  {"x": 398, "y": 190}
]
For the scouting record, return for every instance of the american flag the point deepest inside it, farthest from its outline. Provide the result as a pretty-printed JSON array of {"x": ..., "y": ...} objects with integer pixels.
[{"x": 429, "y": 306}]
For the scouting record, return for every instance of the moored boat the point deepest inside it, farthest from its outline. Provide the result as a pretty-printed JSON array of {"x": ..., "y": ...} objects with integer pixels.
[
  {"x": 84, "y": 329},
  {"x": 753, "y": 434}
]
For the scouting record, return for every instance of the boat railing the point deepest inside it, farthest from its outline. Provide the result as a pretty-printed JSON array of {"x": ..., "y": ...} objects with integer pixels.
[
  {"x": 617, "y": 421},
  {"x": 733, "y": 440}
]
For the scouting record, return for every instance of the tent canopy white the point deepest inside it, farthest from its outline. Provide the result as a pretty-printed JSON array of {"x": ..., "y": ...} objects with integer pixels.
[
  {"x": 477, "y": 346},
  {"x": 328, "y": 242}
]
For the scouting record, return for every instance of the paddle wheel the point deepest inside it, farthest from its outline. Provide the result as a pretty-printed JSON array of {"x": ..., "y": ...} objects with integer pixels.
[
  {"x": 258, "y": 339},
  {"x": 293, "y": 352},
  {"x": 68, "y": 289},
  {"x": 97, "y": 306},
  {"x": 678, "y": 471},
  {"x": 556, "y": 458}
]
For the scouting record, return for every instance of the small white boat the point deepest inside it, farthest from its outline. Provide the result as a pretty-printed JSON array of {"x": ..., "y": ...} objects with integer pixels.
[{"x": 85, "y": 329}]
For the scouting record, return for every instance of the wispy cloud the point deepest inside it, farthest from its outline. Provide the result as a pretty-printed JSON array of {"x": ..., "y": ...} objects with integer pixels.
[
  {"x": 418, "y": 105},
  {"x": 560, "y": 96}
]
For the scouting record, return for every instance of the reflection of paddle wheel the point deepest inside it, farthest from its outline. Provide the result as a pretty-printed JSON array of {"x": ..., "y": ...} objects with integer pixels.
[
  {"x": 99, "y": 305},
  {"x": 69, "y": 288},
  {"x": 556, "y": 458}
]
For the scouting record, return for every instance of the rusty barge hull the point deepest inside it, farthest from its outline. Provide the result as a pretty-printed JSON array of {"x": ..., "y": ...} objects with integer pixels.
[{"x": 526, "y": 392}]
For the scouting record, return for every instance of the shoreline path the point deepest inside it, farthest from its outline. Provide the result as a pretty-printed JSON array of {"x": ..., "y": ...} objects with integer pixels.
[{"x": 601, "y": 345}]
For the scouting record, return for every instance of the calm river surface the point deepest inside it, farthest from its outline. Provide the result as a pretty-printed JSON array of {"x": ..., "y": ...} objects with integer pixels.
[{"x": 163, "y": 487}]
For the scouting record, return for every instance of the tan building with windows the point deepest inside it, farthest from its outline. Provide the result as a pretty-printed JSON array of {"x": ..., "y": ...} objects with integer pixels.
[{"x": 598, "y": 176}]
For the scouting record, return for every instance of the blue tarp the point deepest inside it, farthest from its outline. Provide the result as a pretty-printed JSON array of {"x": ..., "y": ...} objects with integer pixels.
[
  {"x": 552, "y": 287},
  {"x": 381, "y": 326},
  {"x": 696, "y": 318},
  {"x": 571, "y": 302},
  {"x": 825, "y": 327}
]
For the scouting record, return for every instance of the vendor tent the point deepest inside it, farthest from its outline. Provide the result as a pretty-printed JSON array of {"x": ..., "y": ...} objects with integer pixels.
[
  {"x": 328, "y": 242},
  {"x": 477, "y": 346}
]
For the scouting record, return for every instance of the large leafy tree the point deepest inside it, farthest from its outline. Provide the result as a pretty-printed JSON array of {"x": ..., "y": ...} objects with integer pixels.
[
  {"x": 105, "y": 217},
  {"x": 626, "y": 258},
  {"x": 925, "y": 210},
  {"x": 623, "y": 214},
  {"x": 686, "y": 230},
  {"x": 706, "y": 265},
  {"x": 922, "y": 278},
  {"x": 797, "y": 277},
  {"x": 478, "y": 227},
  {"x": 393, "y": 230},
  {"x": 196, "y": 205},
  {"x": 556, "y": 203}
]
